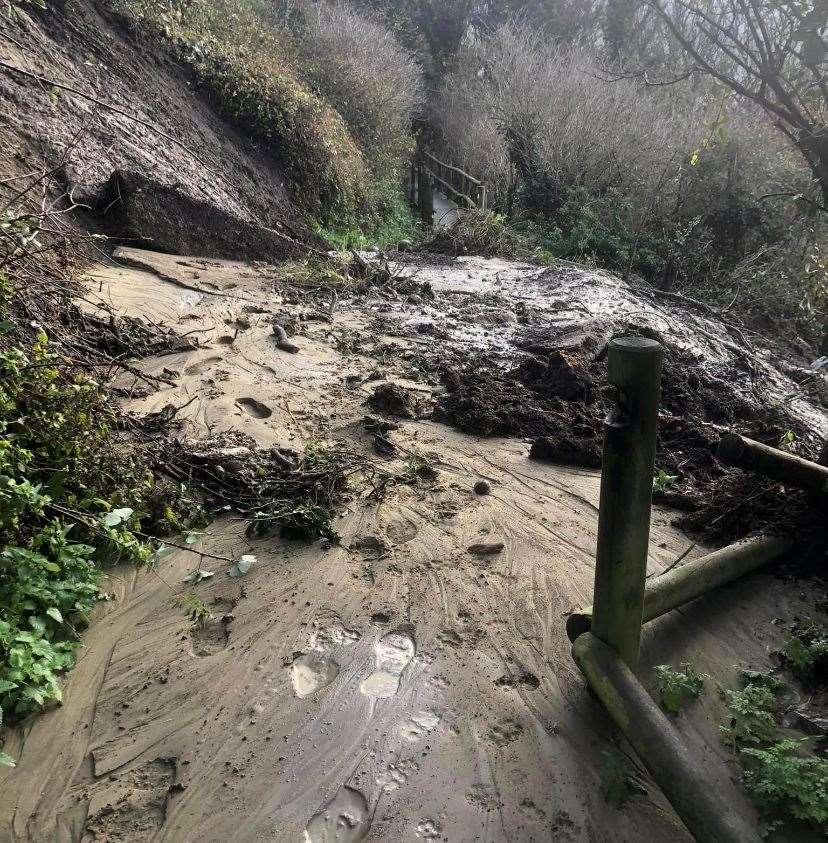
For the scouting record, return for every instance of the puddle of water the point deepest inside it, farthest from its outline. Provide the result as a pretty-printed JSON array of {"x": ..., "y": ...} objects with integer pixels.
[
  {"x": 312, "y": 671},
  {"x": 343, "y": 820},
  {"x": 392, "y": 654}
]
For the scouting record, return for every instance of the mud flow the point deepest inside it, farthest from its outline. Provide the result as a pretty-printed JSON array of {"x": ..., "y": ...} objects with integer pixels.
[{"x": 407, "y": 676}]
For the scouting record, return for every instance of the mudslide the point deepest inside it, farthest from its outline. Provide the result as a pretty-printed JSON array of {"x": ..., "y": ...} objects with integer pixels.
[{"x": 413, "y": 682}]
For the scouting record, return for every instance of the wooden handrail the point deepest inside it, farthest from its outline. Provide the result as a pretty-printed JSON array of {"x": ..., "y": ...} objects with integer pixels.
[
  {"x": 457, "y": 170},
  {"x": 451, "y": 188}
]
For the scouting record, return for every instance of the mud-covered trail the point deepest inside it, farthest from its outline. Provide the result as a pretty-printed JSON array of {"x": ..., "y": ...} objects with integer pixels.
[{"x": 396, "y": 686}]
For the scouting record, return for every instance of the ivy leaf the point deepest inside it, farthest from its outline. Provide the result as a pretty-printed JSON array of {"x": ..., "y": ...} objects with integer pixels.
[
  {"x": 55, "y": 614},
  {"x": 117, "y": 516},
  {"x": 6, "y": 760},
  {"x": 242, "y": 566},
  {"x": 197, "y": 576}
]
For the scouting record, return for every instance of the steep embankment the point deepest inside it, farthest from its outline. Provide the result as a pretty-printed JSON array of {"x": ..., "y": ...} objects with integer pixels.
[{"x": 133, "y": 140}]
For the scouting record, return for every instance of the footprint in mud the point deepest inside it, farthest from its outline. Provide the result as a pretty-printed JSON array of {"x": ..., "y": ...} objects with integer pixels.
[
  {"x": 201, "y": 366},
  {"x": 449, "y": 637},
  {"x": 418, "y": 725},
  {"x": 131, "y": 806},
  {"x": 312, "y": 671},
  {"x": 397, "y": 775},
  {"x": 392, "y": 655},
  {"x": 343, "y": 820},
  {"x": 211, "y": 635},
  {"x": 505, "y": 732},
  {"x": 316, "y": 669},
  {"x": 254, "y": 408}
]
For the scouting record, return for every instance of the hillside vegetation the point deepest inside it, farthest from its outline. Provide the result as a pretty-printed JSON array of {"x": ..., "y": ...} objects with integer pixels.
[{"x": 328, "y": 93}]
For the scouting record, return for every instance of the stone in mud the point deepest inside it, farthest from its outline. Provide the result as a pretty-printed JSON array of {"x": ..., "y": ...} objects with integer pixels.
[
  {"x": 373, "y": 424},
  {"x": 394, "y": 400},
  {"x": 486, "y": 548},
  {"x": 482, "y": 487}
]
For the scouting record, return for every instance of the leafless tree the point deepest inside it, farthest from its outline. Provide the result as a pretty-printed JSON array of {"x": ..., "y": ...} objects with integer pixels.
[{"x": 768, "y": 51}]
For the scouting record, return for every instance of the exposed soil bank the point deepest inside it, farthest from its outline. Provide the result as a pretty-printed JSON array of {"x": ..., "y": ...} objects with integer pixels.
[{"x": 137, "y": 149}]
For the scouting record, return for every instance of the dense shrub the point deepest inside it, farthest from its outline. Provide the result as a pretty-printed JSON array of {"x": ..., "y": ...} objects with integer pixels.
[
  {"x": 246, "y": 64},
  {"x": 71, "y": 499},
  {"x": 358, "y": 66},
  {"x": 680, "y": 184}
]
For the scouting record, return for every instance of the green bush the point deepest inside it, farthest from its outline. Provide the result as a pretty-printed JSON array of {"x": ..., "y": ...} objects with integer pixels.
[
  {"x": 676, "y": 687},
  {"x": 783, "y": 775},
  {"x": 395, "y": 224},
  {"x": 245, "y": 62},
  {"x": 782, "y": 778},
  {"x": 806, "y": 652},
  {"x": 71, "y": 499},
  {"x": 360, "y": 68},
  {"x": 750, "y": 715}
]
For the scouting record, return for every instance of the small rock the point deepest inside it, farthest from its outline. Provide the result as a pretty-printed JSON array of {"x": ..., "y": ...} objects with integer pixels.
[
  {"x": 486, "y": 548},
  {"x": 482, "y": 487},
  {"x": 282, "y": 340}
]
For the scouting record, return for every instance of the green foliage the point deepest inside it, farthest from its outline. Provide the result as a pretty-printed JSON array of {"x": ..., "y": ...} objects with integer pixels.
[
  {"x": 677, "y": 687},
  {"x": 244, "y": 60},
  {"x": 662, "y": 480},
  {"x": 194, "y": 608},
  {"x": 396, "y": 222},
  {"x": 784, "y": 776},
  {"x": 70, "y": 499},
  {"x": 750, "y": 713},
  {"x": 806, "y": 652},
  {"x": 781, "y": 777}
]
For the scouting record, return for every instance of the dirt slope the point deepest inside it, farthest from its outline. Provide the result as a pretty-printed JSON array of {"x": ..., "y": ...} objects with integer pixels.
[
  {"x": 214, "y": 186},
  {"x": 397, "y": 687}
]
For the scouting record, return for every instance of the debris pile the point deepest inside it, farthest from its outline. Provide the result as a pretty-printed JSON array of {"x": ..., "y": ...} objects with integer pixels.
[{"x": 280, "y": 490}]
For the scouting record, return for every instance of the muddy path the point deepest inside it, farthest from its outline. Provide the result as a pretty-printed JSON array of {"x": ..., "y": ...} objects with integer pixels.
[{"x": 404, "y": 684}]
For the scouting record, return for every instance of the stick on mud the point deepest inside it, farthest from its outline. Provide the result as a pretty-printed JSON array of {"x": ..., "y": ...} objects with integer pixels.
[{"x": 626, "y": 491}]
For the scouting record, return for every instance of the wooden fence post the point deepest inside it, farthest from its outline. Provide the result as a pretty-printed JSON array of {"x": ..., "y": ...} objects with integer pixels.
[
  {"x": 412, "y": 185},
  {"x": 626, "y": 491},
  {"x": 426, "y": 200}
]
